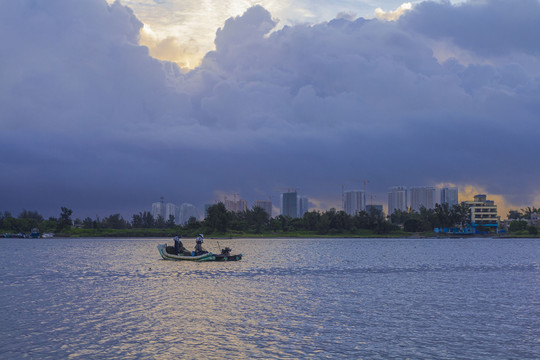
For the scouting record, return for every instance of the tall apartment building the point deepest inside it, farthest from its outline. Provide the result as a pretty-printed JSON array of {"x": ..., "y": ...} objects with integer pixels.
[
  {"x": 354, "y": 202},
  {"x": 158, "y": 209},
  {"x": 422, "y": 196},
  {"x": 235, "y": 205},
  {"x": 449, "y": 195},
  {"x": 289, "y": 204},
  {"x": 397, "y": 199},
  {"x": 303, "y": 206},
  {"x": 483, "y": 212},
  {"x": 172, "y": 210},
  {"x": 187, "y": 211},
  {"x": 264, "y": 204}
]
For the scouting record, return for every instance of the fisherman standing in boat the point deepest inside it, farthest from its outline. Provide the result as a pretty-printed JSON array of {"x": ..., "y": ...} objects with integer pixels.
[
  {"x": 198, "y": 247},
  {"x": 176, "y": 245}
]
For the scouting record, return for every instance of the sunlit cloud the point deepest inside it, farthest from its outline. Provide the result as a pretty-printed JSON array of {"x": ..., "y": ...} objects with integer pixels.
[
  {"x": 393, "y": 15},
  {"x": 187, "y": 54}
]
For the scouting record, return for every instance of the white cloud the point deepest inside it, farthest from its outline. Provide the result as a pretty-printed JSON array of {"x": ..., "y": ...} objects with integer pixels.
[{"x": 393, "y": 15}]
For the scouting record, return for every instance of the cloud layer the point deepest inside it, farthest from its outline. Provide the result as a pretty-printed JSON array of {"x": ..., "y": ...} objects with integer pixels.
[{"x": 90, "y": 120}]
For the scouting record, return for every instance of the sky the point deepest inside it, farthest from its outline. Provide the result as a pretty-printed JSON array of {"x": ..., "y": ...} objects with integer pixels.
[{"x": 306, "y": 95}]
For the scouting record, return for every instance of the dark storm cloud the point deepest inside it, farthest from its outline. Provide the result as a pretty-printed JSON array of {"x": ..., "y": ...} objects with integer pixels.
[
  {"x": 489, "y": 28},
  {"x": 90, "y": 121}
]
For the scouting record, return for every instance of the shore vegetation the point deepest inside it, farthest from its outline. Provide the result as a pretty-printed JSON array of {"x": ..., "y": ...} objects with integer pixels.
[{"x": 220, "y": 222}]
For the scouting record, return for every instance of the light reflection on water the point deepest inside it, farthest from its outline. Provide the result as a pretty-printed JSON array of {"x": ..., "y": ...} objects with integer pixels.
[{"x": 301, "y": 298}]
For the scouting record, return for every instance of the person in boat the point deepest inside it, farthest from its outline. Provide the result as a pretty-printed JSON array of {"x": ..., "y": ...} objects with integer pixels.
[
  {"x": 178, "y": 246},
  {"x": 198, "y": 247}
]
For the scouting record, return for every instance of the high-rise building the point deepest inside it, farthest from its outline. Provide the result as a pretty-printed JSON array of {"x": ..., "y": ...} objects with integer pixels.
[
  {"x": 172, "y": 210},
  {"x": 354, "y": 202},
  {"x": 422, "y": 196},
  {"x": 397, "y": 199},
  {"x": 266, "y": 205},
  {"x": 449, "y": 195},
  {"x": 289, "y": 204},
  {"x": 158, "y": 209},
  {"x": 235, "y": 205},
  {"x": 188, "y": 211},
  {"x": 303, "y": 206}
]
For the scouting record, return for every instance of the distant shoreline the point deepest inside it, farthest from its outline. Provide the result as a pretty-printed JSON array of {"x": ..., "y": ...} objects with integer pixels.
[{"x": 232, "y": 236}]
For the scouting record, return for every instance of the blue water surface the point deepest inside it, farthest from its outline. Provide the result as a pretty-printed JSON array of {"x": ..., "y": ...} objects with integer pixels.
[{"x": 287, "y": 298}]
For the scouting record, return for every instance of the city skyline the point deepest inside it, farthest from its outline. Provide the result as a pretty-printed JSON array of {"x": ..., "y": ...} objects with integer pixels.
[
  {"x": 429, "y": 93},
  {"x": 353, "y": 201}
]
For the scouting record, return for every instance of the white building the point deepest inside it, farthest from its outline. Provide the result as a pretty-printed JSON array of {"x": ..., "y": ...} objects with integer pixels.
[
  {"x": 354, "y": 202},
  {"x": 422, "y": 196},
  {"x": 483, "y": 212},
  {"x": 188, "y": 211},
  {"x": 158, "y": 209},
  {"x": 397, "y": 199},
  {"x": 449, "y": 195},
  {"x": 303, "y": 206},
  {"x": 264, "y": 204},
  {"x": 174, "y": 210},
  {"x": 235, "y": 205}
]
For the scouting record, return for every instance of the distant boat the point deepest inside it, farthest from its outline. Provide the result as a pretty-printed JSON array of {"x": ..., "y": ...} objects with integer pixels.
[
  {"x": 168, "y": 253},
  {"x": 47, "y": 235},
  {"x": 35, "y": 233}
]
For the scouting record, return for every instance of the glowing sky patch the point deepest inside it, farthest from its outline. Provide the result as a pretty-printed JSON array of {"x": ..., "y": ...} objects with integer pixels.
[{"x": 184, "y": 31}]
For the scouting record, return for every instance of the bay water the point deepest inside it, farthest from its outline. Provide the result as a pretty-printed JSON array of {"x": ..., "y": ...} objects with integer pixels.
[{"x": 474, "y": 298}]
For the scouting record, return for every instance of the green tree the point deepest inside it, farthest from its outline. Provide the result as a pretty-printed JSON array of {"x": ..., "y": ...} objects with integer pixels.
[
  {"x": 517, "y": 225},
  {"x": 137, "y": 220},
  {"x": 400, "y": 216},
  {"x": 88, "y": 223},
  {"x": 461, "y": 214},
  {"x": 170, "y": 224},
  {"x": 160, "y": 222},
  {"x": 310, "y": 220},
  {"x": 260, "y": 219},
  {"x": 323, "y": 226},
  {"x": 528, "y": 211},
  {"x": 412, "y": 225},
  {"x": 147, "y": 220},
  {"x": 283, "y": 222},
  {"x": 65, "y": 222},
  {"x": 443, "y": 216},
  {"x": 514, "y": 215},
  {"x": 115, "y": 221},
  {"x": 34, "y": 215},
  {"x": 217, "y": 218}
]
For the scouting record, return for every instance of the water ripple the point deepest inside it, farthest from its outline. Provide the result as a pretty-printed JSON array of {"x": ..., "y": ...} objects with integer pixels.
[{"x": 360, "y": 299}]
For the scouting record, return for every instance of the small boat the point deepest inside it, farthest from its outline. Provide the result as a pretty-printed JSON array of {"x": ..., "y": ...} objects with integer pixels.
[{"x": 168, "y": 253}]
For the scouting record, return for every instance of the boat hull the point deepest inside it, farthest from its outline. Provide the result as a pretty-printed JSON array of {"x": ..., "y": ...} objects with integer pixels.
[{"x": 168, "y": 256}]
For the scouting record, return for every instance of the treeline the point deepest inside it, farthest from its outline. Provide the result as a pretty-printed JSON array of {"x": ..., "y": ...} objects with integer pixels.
[
  {"x": 257, "y": 221},
  {"x": 442, "y": 216},
  {"x": 217, "y": 221},
  {"x": 523, "y": 214},
  {"x": 520, "y": 217},
  {"x": 28, "y": 220}
]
